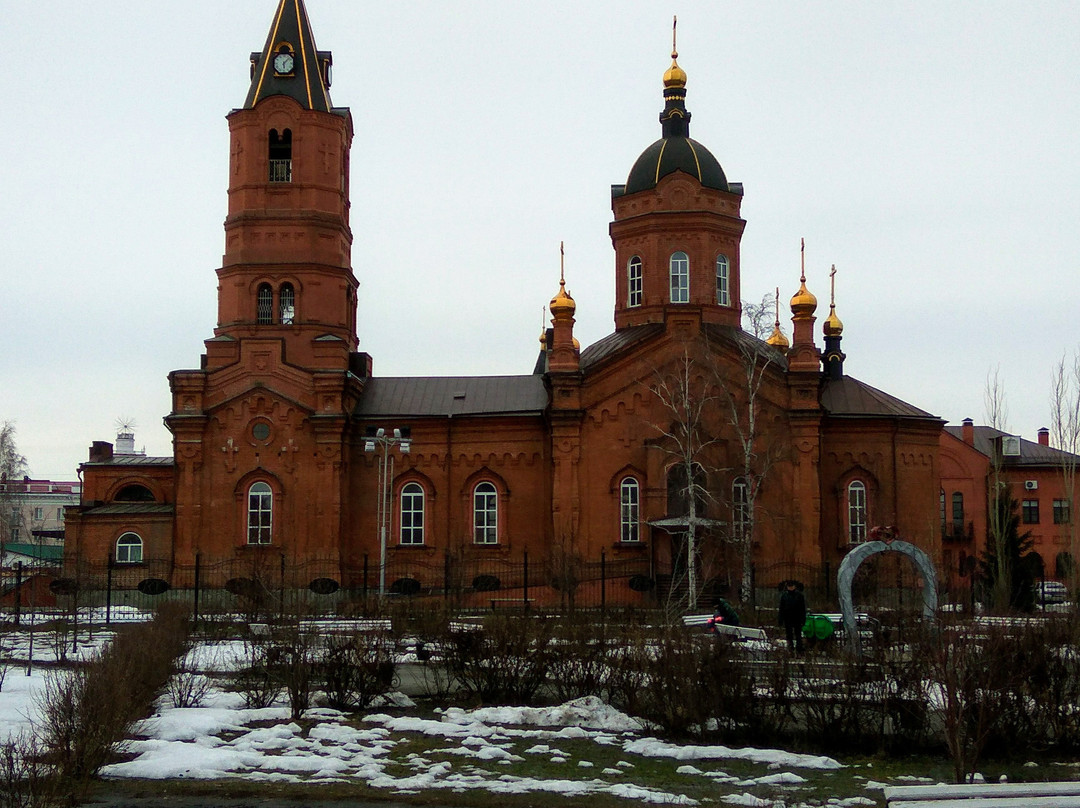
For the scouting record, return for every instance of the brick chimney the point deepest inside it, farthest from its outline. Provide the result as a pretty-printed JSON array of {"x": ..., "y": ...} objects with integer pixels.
[
  {"x": 1044, "y": 436},
  {"x": 968, "y": 431},
  {"x": 101, "y": 451}
]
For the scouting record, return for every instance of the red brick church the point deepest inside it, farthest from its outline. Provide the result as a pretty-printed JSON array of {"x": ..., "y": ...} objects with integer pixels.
[{"x": 679, "y": 430}]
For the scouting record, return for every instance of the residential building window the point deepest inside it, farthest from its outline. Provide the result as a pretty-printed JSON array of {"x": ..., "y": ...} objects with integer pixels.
[
  {"x": 286, "y": 304},
  {"x": 722, "y": 296},
  {"x": 485, "y": 514},
  {"x": 740, "y": 507},
  {"x": 680, "y": 278},
  {"x": 264, "y": 305},
  {"x": 856, "y": 512},
  {"x": 59, "y": 514},
  {"x": 39, "y": 514},
  {"x": 958, "y": 510},
  {"x": 629, "y": 510},
  {"x": 633, "y": 282},
  {"x": 14, "y": 534},
  {"x": 1062, "y": 512},
  {"x": 129, "y": 549},
  {"x": 1029, "y": 511},
  {"x": 260, "y": 513},
  {"x": 412, "y": 514}
]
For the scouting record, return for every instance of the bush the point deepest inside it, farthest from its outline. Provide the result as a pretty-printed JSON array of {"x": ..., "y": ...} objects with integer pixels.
[
  {"x": 25, "y": 780},
  {"x": 357, "y": 669},
  {"x": 505, "y": 662}
]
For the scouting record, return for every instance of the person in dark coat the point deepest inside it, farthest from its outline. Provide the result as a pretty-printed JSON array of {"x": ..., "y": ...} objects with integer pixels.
[
  {"x": 792, "y": 615},
  {"x": 723, "y": 612}
]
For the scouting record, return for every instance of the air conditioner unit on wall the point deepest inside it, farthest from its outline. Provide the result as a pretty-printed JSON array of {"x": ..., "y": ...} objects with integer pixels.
[{"x": 1031, "y": 485}]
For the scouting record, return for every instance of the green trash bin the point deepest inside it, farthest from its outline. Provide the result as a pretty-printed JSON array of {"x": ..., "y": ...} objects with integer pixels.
[{"x": 818, "y": 627}]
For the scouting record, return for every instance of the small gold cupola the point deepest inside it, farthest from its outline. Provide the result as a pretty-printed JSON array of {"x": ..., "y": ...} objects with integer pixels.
[
  {"x": 562, "y": 305},
  {"x": 675, "y": 75},
  {"x": 565, "y": 350},
  {"x": 777, "y": 339},
  {"x": 833, "y": 326}
]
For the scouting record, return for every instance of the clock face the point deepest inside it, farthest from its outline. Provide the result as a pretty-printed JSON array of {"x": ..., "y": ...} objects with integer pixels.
[{"x": 283, "y": 63}]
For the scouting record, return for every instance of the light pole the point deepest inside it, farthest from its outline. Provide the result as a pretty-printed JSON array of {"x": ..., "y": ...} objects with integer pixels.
[{"x": 383, "y": 440}]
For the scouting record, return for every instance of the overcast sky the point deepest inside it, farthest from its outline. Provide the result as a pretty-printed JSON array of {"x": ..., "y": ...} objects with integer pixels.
[{"x": 928, "y": 149}]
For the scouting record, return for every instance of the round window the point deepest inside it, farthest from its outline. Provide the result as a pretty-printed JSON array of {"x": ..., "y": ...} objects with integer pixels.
[{"x": 261, "y": 431}]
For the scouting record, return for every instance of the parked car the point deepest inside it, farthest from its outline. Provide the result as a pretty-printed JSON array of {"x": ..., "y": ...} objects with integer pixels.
[{"x": 1050, "y": 592}]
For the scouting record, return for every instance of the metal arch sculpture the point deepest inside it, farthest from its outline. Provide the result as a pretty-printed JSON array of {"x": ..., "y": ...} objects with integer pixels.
[{"x": 850, "y": 565}]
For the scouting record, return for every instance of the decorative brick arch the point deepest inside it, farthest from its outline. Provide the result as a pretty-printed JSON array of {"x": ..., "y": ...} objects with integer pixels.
[{"x": 850, "y": 565}]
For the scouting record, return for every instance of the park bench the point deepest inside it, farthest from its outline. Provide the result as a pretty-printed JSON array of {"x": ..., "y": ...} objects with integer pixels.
[
  {"x": 524, "y": 603},
  {"x": 986, "y": 795},
  {"x": 738, "y": 633}
]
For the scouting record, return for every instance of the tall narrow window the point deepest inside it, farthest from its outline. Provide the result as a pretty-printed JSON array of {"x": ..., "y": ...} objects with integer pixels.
[
  {"x": 260, "y": 513},
  {"x": 856, "y": 494},
  {"x": 958, "y": 511},
  {"x": 264, "y": 305},
  {"x": 412, "y": 514},
  {"x": 1029, "y": 511},
  {"x": 280, "y": 156},
  {"x": 1062, "y": 512},
  {"x": 941, "y": 508},
  {"x": 722, "y": 296},
  {"x": 286, "y": 304},
  {"x": 633, "y": 282},
  {"x": 485, "y": 514},
  {"x": 129, "y": 549},
  {"x": 680, "y": 278},
  {"x": 740, "y": 508},
  {"x": 628, "y": 510}
]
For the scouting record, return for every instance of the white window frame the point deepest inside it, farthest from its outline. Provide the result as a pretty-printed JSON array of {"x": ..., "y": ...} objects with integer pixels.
[
  {"x": 412, "y": 514},
  {"x": 634, "y": 282},
  {"x": 260, "y": 514},
  {"x": 287, "y": 304},
  {"x": 264, "y": 304},
  {"x": 740, "y": 503},
  {"x": 485, "y": 513},
  {"x": 130, "y": 551},
  {"x": 723, "y": 296},
  {"x": 629, "y": 511},
  {"x": 856, "y": 508},
  {"x": 679, "y": 272}
]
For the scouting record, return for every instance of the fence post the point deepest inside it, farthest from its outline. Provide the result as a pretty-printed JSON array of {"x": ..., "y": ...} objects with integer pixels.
[
  {"x": 18, "y": 592},
  {"x": 828, "y": 580},
  {"x": 753, "y": 585},
  {"x": 446, "y": 575},
  {"x": 281, "y": 590},
  {"x": 525, "y": 581},
  {"x": 603, "y": 585},
  {"x": 195, "y": 608},
  {"x": 365, "y": 584},
  {"x": 108, "y": 589}
]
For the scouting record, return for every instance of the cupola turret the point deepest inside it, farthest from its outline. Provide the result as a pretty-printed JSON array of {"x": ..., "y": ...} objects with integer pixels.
[
  {"x": 677, "y": 228},
  {"x": 834, "y": 357}
]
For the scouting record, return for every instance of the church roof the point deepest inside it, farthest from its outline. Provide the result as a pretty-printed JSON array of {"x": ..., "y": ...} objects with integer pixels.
[
  {"x": 614, "y": 344},
  {"x": 442, "y": 396},
  {"x": 671, "y": 154},
  {"x": 127, "y": 508},
  {"x": 290, "y": 32},
  {"x": 847, "y": 397},
  {"x": 131, "y": 460}
]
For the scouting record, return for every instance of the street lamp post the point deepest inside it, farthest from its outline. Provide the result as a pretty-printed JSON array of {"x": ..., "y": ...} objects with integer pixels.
[{"x": 383, "y": 440}]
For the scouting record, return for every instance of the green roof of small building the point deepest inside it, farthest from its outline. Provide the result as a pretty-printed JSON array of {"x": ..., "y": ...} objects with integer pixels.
[{"x": 45, "y": 552}]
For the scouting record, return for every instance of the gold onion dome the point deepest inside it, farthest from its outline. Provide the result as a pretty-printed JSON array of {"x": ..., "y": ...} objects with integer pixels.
[
  {"x": 562, "y": 303},
  {"x": 675, "y": 76},
  {"x": 543, "y": 340},
  {"x": 778, "y": 340},
  {"x": 833, "y": 326},
  {"x": 803, "y": 302}
]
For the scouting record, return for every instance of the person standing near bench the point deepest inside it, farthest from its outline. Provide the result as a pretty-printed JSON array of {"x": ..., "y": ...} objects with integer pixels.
[{"x": 792, "y": 615}]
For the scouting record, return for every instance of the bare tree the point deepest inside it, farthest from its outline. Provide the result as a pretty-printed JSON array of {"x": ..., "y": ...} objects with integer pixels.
[
  {"x": 997, "y": 416},
  {"x": 757, "y": 447},
  {"x": 684, "y": 392},
  {"x": 13, "y": 468},
  {"x": 1065, "y": 436}
]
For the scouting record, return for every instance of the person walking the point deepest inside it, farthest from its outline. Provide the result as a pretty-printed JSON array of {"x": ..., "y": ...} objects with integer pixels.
[{"x": 792, "y": 615}]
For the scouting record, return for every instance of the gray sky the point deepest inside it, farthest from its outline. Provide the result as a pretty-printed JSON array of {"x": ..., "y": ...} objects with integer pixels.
[{"x": 928, "y": 149}]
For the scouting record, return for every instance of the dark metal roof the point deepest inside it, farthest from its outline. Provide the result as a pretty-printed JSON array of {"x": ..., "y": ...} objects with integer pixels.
[
  {"x": 305, "y": 85},
  {"x": 849, "y": 397},
  {"x": 442, "y": 396},
  {"x": 124, "y": 508},
  {"x": 131, "y": 460},
  {"x": 671, "y": 154},
  {"x": 1031, "y": 453},
  {"x": 615, "y": 343}
]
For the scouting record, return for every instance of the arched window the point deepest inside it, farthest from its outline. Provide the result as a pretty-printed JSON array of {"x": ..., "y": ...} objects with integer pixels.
[
  {"x": 134, "y": 493},
  {"x": 633, "y": 282},
  {"x": 722, "y": 296},
  {"x": 856, "y": 496},
  {"x": 941, "y": 507},
  {"x": 740, "y": 507},
  {"x": 260, "y": 513},
  {"x": 628, "y": 510},
  {"x": 129, "y": 549},
  {"x": 264, "y": 305},
  {"x": 280, "y": 156},
  {"x": 680, "y": 278},
  {"x": 958, "y": 511},
  {"x": 485, "y": 514},
  {"x": 412, "y": 514},
  {"x": 286, "y": 304}
]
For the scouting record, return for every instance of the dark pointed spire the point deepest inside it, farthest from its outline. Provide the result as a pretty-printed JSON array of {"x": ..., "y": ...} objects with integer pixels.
[{"x": 289, "y": 63}]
